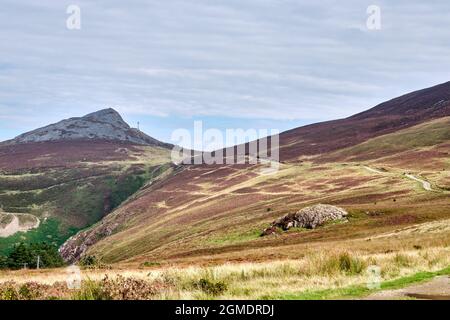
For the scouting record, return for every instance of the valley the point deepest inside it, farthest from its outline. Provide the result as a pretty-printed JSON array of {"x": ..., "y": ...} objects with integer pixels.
[{"x": 194, "y": 231}]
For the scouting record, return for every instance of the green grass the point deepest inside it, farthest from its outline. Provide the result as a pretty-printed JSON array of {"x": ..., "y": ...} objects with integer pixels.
[
  {"x": 48, "y": 231},
  {"x": 121, "y": 189},
  {"x": 236, "y": 237},
  {"x": 359, "y": 291}
]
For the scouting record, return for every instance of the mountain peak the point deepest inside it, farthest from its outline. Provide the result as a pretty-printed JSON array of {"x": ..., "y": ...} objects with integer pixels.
[
  {"x": 108, "y": 115},
  {"x": 105, "y": 124}
]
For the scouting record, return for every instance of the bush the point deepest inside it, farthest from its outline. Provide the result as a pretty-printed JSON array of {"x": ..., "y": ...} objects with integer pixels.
[
  {"x": 130, "y": 288},
  {"x": 402, "y": 260},
  {"x": 214, "y": 288},
  {"x": 351, "y": 265},
  {"x": 28, "y": 291},
  {"x": 88, "y": 261},
  {"x": 92, "y": 290},
  {"x": 119, "y": 288},
  {"x": 8, "y": 292},
  {"x": 151, "y": 264},
  {"x": 337, "y": 263}
]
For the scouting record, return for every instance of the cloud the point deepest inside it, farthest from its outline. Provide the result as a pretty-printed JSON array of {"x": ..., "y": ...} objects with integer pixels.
[{"x": 254, "y": 59}]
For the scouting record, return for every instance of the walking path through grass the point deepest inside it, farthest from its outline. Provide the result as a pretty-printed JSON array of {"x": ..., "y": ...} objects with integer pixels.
[
  {"x": 16, "y": 226},
  {"x": 363, "y": 292},
  {"x": 373, "y": 170},
  {"x": 426, "y": 185},
  {"x": 435, "y": 289}
]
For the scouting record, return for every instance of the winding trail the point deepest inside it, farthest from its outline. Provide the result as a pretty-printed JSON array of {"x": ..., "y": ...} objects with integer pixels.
[
  {"x": 425, "y": 184},
  {"x": 11, "y": 228},
  {"x": 14, "y": 226},
  {"x": 373, "y": 170},
  {"x": 435, "y": 289}
]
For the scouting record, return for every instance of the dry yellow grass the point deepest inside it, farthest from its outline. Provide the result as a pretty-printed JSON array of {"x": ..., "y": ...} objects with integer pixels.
[{"x": 317, "y": 270}]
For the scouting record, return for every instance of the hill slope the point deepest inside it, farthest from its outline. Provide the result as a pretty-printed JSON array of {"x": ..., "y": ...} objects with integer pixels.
[
  {"x": 217, "y": 212},
  {"x": 396, "y": 114},
  {"x": 71, "y": 174}
]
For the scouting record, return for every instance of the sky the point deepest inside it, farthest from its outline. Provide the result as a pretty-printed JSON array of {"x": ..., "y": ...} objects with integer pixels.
[{"x": 274, "y": 64}]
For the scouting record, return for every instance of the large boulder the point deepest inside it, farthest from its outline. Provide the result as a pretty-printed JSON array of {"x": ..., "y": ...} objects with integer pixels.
[{"x": 308, "y": 217}]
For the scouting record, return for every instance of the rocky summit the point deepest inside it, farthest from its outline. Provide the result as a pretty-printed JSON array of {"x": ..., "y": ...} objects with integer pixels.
[{"x": 106, "y": 124}]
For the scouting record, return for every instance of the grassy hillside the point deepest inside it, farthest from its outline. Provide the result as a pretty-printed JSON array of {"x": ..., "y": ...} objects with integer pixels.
[
  {"x": 216, "y": 213},
  {"x": 67, "y": 198},
  {"x": 421, "y": 136}
]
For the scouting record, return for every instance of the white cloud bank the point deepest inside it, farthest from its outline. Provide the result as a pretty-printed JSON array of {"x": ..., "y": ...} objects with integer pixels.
[{"x": 265, "y": 59}]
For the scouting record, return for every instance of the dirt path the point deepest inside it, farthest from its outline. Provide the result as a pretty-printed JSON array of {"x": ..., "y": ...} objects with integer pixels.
[
  {"x": 440, "y": 226},
  {"x": 436, "y": 289},
  {"x": 426, "y": 185},
  {"x": 11, "y": 228},
  {"x": 373, "y": 170},
  {"x": 14, "y": 226}
]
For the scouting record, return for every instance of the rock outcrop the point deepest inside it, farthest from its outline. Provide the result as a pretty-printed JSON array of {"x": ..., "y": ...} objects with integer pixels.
[
  {"x": 309, "y": 217},
  {"x": 106, "y": 124},
  {"x": 77, "y": 245}
]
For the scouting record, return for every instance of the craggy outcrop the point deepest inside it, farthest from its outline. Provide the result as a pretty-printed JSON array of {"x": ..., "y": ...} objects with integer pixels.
[
  {"x": 309, "y": 217},
  {"x": 106, "y": 124}
]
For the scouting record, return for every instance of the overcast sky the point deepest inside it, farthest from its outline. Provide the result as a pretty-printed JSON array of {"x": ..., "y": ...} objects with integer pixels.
[{"x": 233, "y": 63}]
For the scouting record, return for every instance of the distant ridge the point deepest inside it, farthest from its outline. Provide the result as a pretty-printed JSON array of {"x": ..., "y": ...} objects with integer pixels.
[{"x": 390, "y": 116}]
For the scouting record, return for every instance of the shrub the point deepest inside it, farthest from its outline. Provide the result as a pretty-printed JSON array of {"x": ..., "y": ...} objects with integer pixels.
[
  {"x": 351, "y": 265},
  {"x": 28, "y": 291},
  {"x": 151, "y": 264},
  {"x": 214, "y": 288},
  {"x": 129, "y": 288},
  {"x": 119, "y": 288},
  {"x": 88, "y": 261},
  {"x": 402, "y": 260},
  {"x": 11, "y": 290},
  {"x": 91, "y": 290},
  {"x": 8, "y": 291},
  {"x": 336, "y": 263}
]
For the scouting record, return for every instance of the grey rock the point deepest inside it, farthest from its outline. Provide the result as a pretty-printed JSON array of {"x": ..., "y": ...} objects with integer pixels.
[
  {"x": 309, "y": 217},
  {"x": 106, "y": 124}
]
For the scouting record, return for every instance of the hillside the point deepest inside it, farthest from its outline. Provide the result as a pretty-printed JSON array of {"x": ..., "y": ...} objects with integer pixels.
[
  {"x": 216, "y": 213},
  {"x": 422, "y": 136},
  {"x": 71, "y": 174},
  {"x": 396, "y": 114}
]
